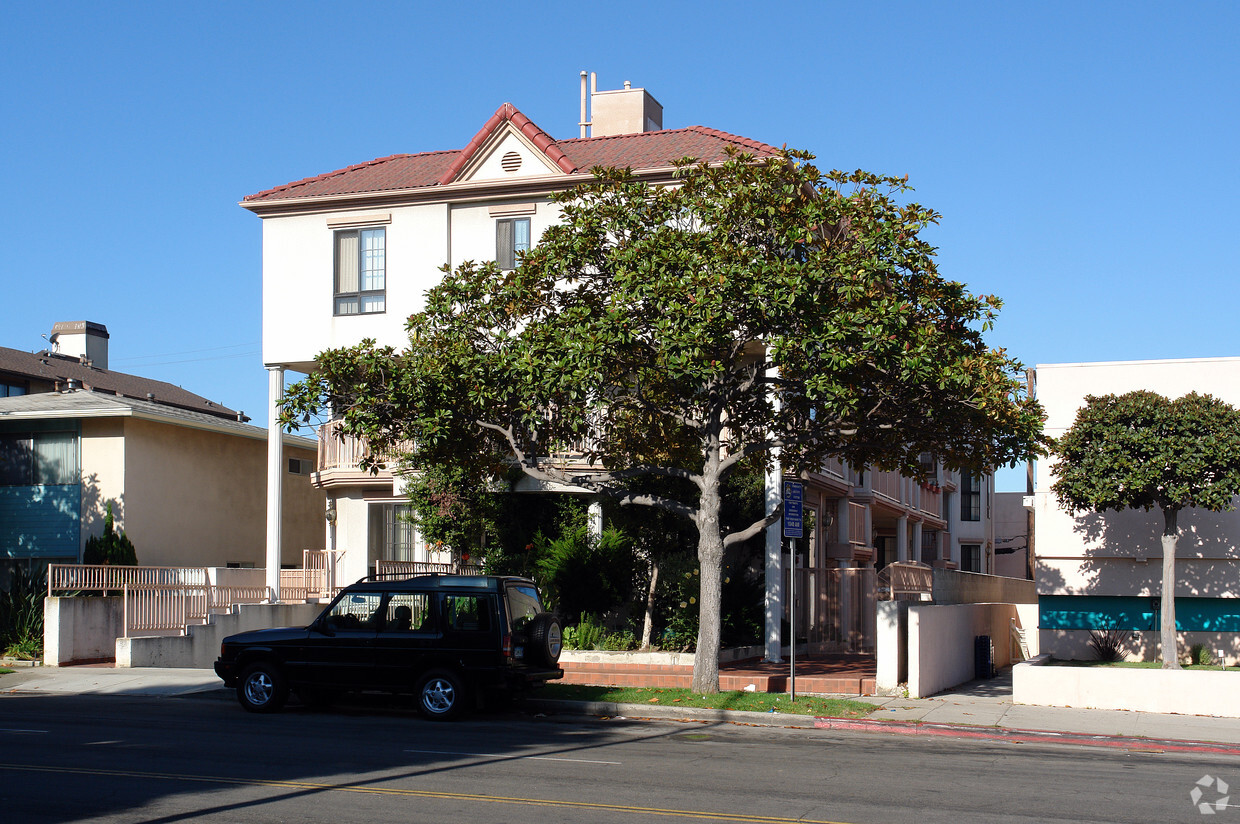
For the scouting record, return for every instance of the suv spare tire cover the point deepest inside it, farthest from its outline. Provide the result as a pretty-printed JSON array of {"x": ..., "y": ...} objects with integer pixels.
[{"x": 546, "y": 639}]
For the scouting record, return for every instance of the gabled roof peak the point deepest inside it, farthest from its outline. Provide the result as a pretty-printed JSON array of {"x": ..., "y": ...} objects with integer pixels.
[{"x": 508, "y": 113}]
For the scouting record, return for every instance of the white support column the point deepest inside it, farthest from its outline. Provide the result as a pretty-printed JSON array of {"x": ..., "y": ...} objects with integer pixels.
[
  {"x": 774, "y": 564},
  {"x": 902, "y": 553},
  {"x": 915, "y": 549},
  {"x": 275, "y": 477},
  {"x": 595, "y": 519}
]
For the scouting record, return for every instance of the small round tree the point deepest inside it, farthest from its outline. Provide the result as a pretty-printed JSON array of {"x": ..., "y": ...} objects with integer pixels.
[{"x": 1141, "y": 450}]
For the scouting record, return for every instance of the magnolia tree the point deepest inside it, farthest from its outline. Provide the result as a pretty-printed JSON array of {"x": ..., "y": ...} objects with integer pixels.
[
  {"x": 1141, "y": 451},
  {"x": 756, "y": 307}
]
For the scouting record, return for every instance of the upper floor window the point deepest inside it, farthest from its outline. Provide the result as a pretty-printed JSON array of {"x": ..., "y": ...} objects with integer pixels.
[
  {"x": 511, "y": 236},
  {"x": 11, "y": 390},
  {"x": 360, "y": 272},
  {"x": 970, "y": 496},
  {"x": 38, "y": 459}
]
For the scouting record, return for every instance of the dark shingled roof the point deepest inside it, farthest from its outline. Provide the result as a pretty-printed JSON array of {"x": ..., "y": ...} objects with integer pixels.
[
  {"x": 53, "y": 368},
  {"x": 648, "y": 150}
]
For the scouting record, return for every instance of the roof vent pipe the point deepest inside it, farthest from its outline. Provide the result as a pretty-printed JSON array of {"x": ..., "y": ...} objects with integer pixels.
[{"x": 584, "y": 123}]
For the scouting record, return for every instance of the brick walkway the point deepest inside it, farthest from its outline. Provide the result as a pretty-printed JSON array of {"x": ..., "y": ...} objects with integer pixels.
[{"x": 842, "y": 674}]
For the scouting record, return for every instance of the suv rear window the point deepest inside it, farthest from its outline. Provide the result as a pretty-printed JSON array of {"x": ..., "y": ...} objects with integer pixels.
[{"x": 522, "y": 604}]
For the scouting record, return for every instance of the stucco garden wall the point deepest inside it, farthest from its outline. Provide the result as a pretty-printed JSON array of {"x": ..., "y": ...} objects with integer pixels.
[
  {"x": 81, "y": 629},
  {"x": 1187, "y": 692},
  {"x": 200, "y": 646},
  {"x": 941, "y": 642}
]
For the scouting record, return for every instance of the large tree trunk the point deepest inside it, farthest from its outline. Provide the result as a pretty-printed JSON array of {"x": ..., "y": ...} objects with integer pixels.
[
  {"x": 710, "y": 560},
  {"x": 1170, "y": 537},
  {"x": 648, "y": 620}
]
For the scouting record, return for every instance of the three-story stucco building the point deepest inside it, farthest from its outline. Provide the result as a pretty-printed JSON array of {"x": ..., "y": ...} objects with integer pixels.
[{"x": 349, "y": 254}]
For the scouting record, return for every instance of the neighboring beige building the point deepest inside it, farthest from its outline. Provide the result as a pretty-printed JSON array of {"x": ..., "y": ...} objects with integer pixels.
[
  {"x": 187, "y": 487},
  {"x": 350, "y": 254},
  {"x": 1096, "y": 571}
]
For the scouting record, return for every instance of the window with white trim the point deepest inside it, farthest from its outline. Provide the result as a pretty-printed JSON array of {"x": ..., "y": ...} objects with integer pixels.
[
  {"x": 360, "y": 272},
  {"x": 512, "y": 235}
]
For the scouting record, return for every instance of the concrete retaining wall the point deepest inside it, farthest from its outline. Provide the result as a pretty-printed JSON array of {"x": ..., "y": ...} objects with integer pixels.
[
  {"x": 941, "y": 641},
  {"x": 201, "y": 645},
  {"x": 1188, "y": 692},
  {"x": 81, "y": 628},
  {"x": 951, "y": 586}
]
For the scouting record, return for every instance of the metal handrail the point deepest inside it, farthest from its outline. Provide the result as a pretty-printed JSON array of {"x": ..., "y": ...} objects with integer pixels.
[{"x": 107, "y": 577}]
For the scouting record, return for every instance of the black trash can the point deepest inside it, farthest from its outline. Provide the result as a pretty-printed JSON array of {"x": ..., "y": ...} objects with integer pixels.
[{"x": 983, "y": 657}]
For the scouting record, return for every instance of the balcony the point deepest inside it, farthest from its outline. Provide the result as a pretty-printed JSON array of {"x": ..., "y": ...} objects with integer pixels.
[{"x": 340, "y": 459}]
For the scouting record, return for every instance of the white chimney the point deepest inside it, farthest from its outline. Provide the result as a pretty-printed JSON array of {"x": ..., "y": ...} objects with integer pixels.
[
  {"x": 82, "y": 339},
  {"x": 619, "y": 111}
]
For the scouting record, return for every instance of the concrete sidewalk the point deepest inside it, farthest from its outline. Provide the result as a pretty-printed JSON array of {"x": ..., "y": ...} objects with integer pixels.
[{"x": 977, "y": 709}]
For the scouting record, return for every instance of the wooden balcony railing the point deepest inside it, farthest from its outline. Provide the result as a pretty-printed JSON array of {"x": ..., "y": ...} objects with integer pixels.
[
  {"x": 887, "y": 484},
  {"x": 856, "y": 525},
  {"x": 348, "y": 452}
]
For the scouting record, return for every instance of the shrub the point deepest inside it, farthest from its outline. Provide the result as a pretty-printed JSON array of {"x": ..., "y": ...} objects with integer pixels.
[
  {"x": 586, "y": 635},
  {"x": 1200, "y": 655},
  {"x": 1107, "y": 644},
  {"x": 21, "y": 616},
  {"x": 111, "y": 547}
]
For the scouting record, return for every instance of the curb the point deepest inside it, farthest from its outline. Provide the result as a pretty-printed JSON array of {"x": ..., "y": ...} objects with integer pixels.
[{"x": 640, "y": 712}]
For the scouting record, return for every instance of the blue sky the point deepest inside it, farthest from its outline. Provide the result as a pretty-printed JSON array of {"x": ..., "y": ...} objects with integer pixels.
[{"x": 1083, "y": 155}]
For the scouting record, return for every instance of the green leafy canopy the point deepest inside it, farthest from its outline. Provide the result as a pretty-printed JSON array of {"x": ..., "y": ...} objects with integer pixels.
[{"x": 1141, "y": 450}]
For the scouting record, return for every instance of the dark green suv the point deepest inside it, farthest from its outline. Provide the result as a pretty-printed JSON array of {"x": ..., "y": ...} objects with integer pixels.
[{"x": 448, "y": 639}]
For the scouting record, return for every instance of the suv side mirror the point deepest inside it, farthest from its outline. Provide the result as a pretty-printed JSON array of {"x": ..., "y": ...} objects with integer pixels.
[{"x": 322, "y": 626}]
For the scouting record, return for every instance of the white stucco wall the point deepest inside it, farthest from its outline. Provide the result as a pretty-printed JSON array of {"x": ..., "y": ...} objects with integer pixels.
[
  {"x": 1120, "y": 553},
  {"x": 941, "y": 641},
  {"x": 1188, "y": 692},
  {"x": 298, "y": 276},
  {"x": 81, "y": 629}
]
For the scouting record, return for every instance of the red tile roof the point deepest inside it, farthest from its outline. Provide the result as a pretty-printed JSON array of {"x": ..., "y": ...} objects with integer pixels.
[{"x": 648, "y": 150}]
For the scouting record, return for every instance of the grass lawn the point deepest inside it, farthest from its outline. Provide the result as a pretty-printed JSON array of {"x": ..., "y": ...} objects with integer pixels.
[
  {"x": 6, "y": 670},
  {"x": 1055, "y": 662},
  {"x": 740, "y": 701}
]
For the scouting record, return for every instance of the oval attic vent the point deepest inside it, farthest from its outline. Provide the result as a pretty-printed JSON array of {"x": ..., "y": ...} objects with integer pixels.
[{"x": 511, "y": 162}]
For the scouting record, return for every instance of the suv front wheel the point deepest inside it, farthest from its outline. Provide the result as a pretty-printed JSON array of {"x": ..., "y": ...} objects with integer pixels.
[
  {"x": 261, "y": 688},
  {"x": 441, "y": 695}
]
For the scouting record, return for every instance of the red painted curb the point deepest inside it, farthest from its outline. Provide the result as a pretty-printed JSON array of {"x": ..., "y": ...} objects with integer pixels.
[{"x": 1023, "y": 736}]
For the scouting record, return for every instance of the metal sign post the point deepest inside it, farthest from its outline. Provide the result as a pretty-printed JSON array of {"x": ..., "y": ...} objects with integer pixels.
[{"x": 794, "y": 498}]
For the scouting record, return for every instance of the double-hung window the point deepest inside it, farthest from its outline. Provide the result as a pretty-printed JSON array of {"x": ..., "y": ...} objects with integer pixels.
[
  {"x": 970, "y": 496},
  {"x": 360, "y": 287},
  {"x": 512, "y": 235}
]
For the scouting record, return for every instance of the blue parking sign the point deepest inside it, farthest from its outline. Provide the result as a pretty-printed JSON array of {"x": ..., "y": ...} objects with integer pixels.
[{"x": 793, "y": 509}]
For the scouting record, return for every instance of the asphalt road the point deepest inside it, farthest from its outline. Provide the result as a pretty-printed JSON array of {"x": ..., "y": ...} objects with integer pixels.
[{"x": 126, "y": 759}]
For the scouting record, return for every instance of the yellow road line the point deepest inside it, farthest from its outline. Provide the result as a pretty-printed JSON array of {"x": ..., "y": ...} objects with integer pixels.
[{"x": 495, "y": 799}]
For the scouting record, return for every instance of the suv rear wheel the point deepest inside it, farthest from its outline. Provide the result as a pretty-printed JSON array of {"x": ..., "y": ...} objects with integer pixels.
[
  {"x": 441, "y": 695},
  {"x": 261, "y": 688}
]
